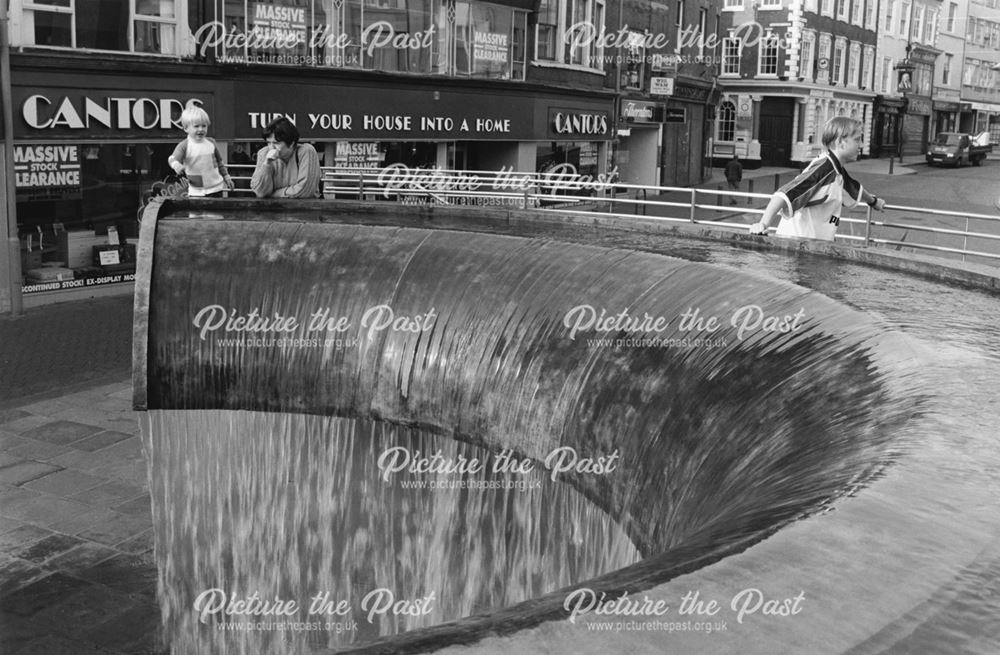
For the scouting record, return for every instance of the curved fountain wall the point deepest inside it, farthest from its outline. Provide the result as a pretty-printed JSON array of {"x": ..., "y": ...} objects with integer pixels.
[{"x": 724, "y": 432}]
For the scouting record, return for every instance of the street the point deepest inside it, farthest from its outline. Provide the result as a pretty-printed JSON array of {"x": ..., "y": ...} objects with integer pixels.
[{"x": 973, "y": 189}]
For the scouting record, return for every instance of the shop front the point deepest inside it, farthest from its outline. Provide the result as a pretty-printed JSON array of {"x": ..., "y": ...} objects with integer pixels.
[
  {"x": 946, "y": 115},
  {"x": 889, "y": 114},
  {"x": 916, "y": 125},
  {"x": 91, "y": 149},
  {"x": 87, "y": 152},
  {"x": 358, "y": 125},
  {"x": 639, "y": 135}
]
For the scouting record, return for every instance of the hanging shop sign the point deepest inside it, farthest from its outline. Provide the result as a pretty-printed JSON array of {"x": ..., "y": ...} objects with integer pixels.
[{"x": 641, "y": 111}]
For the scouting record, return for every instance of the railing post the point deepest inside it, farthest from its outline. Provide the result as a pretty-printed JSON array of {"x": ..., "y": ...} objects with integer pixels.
[
  {"x": 718, "y": 196},
  {"x": 891, "y": 160},
  {"x": 694, "y": 199},
  {"x": 361, "y": 185},
  {"x": 965, "y": 239},
  {"x": 777, "y": 181},
  {"x": 749, "y": 190},
  {"x": 868, "y": 227}
]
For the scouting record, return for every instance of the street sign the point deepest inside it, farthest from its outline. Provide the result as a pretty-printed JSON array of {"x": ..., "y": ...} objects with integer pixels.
[
  {"x": 675, "y": 115},
  {"x": 661, "y": 86}
]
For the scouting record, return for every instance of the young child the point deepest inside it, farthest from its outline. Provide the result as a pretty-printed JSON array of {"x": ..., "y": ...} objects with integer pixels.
[
  {"x": 809, "y": 205},
  {"x": 198, "y": 158}
]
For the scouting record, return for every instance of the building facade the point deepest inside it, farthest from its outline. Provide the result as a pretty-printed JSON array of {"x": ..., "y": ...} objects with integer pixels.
[
  {"x": 97, "y": 89},
  {"x": 980, "y": 110},
  {"x": 788, "y": 66}
]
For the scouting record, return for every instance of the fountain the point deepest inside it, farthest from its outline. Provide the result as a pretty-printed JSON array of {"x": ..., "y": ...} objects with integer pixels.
[{"x": 391, "y": 429}]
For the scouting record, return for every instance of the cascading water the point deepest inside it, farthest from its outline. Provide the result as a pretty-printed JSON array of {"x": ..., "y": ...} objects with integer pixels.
[{"x": 665, "y": 414}]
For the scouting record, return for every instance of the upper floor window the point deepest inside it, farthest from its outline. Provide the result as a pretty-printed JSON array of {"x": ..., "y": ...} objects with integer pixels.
[
  {"x": 634, "y": 70},
  {"x": 731, "y": 50},
  {"x": 826, "y": 7},
  {"x": 566, "y": 32},
  {"x": 918, "y": 22},
  {"x": 768, "y": 55},
  {"x": 770, "y": 4},
  {"x": 904, "y": 20},
  {"x": 890, "y": 9},
  {"x": 823, "y": 57},
  {"x": 842, "y": 9},
  {"x": 853, "y": 62},
  {"x": 839, "y": 54},
  {"x": 856, "y": 8},
  {"x": 952, "y": 14},
  {"x": 733, "y": 4},
  {"x": 946, "y": 69},
  {"x": 142, "y": 26},
  {"x": 807, "y": 56},
  {"x": 870, "y": 14},
  {"x": 866, "y": 67}
]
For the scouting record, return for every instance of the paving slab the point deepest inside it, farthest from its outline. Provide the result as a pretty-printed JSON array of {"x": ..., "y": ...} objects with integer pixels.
[
  {"x": 35, "y": 597},
  {"x": 65, "y": 483},
  {"x": 47, "y": 548},
  {"x": 61, "y": 432},
  {"x": 109, "y": 494},
  {"x": 25, "y": 471},
  {"x": 116, "y": 528},
  {"x": 101, "y": 440},
  {"x": 84, "y": 556}
]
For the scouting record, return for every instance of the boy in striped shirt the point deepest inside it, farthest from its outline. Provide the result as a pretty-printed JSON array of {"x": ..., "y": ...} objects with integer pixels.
[{"x": 809, "y": 206}]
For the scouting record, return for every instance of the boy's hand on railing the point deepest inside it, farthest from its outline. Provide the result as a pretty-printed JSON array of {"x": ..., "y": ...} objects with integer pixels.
[{"x": 759, "y": 228}]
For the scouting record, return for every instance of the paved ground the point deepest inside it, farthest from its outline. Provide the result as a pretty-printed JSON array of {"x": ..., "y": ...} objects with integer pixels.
[{"x": 76, "y": 569}]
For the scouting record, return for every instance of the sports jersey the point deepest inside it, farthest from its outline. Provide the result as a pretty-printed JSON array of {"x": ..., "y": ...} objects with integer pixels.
[{"x": 813, "y": 200}]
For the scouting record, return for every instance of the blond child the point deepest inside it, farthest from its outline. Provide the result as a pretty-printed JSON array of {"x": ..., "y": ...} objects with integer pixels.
[
  {"x": 809, "y": 206},
  {"x": 199, "y": 158}
]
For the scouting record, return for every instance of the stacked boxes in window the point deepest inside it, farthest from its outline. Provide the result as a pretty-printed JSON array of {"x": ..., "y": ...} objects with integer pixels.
[{"x": 76, "y": 247}]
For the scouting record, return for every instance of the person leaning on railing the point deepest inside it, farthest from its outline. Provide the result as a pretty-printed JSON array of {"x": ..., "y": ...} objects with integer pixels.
[
  {"x": 809, "y": 206},
  {"x": 285, "y": 168}
]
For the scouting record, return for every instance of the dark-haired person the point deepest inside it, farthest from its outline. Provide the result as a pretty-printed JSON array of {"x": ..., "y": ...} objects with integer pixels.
[{"x": 285, "y": 168}]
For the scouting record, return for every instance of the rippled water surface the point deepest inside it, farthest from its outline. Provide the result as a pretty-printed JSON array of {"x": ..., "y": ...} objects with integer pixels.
[{"x": 717, "y": 441}]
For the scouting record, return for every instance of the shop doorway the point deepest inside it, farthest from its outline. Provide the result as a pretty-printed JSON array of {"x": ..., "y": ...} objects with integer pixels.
[{"x": 775, "y": 135}]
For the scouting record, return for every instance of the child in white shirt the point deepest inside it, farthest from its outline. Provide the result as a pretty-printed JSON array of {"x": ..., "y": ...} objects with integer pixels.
[
  {"x": 810, "y": 205},
  {"x": 198, "y": 158}
]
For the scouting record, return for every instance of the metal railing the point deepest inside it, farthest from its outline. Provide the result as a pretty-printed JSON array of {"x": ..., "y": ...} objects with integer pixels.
[{"x": 947, "y": 233}]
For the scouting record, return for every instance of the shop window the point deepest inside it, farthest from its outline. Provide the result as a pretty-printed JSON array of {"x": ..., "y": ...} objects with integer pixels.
[
  {"x": 141, "y": 26},
  {"x": 93, "y": 197},
  {"x": 727, "y": 121}
]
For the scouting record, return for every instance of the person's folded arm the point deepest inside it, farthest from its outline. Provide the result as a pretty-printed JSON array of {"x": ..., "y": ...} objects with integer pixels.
[
  {"x": 262, "y": 182},
  {"x": 306, "y": 178}
]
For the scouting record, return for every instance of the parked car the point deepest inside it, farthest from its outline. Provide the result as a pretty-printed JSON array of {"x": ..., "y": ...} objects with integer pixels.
[{"x": 957, "y": 148}]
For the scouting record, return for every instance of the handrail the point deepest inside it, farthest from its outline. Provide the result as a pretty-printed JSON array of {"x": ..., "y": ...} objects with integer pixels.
[{"x": 560, "y": 192}]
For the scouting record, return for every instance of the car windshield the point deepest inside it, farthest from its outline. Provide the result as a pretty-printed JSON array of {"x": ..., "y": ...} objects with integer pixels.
[{"x": 948, "y": 139}]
